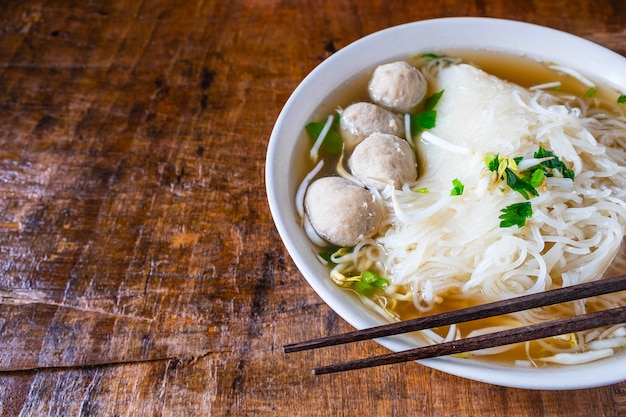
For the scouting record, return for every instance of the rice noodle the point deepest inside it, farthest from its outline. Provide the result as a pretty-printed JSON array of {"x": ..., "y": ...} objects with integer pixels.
[
  {"x": 573, "y": 73},
  {"x": 313, "y": 154},
  {"x": 545, "y": 86},
  {"x": 302, "y": 189}
]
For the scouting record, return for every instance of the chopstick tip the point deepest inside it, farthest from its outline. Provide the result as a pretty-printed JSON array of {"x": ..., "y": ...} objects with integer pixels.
[{"x": 288, "y": 348}]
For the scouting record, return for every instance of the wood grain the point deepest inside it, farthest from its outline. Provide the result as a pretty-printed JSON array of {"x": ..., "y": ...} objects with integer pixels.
[{"x": 140, "y": 271}]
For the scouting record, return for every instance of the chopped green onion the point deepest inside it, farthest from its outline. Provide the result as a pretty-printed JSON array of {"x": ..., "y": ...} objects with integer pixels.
[
  {"x": 457, "y": 187},
  {"x": 591, "y": 92},
  {"x": 370, "y": 282},
  {"x": 363, "y": 288},
  {"x": 422, "y": 190},
  {"x": 537, "y": 178},
  {"x": 375, "y": 280}
]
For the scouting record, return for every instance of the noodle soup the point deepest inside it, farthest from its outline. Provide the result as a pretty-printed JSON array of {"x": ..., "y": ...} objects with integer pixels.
[{"x": 442, "y": 245}]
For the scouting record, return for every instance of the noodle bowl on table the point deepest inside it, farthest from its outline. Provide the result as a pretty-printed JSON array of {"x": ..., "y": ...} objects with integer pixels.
[{"x": 507, "y": 177}]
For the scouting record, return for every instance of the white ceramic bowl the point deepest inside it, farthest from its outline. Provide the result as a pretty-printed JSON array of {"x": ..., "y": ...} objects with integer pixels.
[{"x": 284, "y": 153}]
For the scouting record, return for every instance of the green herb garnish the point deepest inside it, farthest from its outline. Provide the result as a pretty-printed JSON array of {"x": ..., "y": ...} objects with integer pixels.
[
  {"x": 422, "y": 190},
  {"x": 370, "y": 282},
  {"x": 527, "y": 182},
  {"x": 506, "y": 169},
  {"x": 537, "y": 177},
  {"x": 519, "y": 184},
  {"x": 335, "y": 251},
  {"x": 516, "y": 214},
  {"x": 492, "y": 162},
  {"x": 332, "y": 142},
  {"x": 326, "y": 256},
  {"x": 554, "y": 163},
  {"x": 424, "y": 120},
  {"x": 621, "y": 99},
  {"x": 428, "y": 118},
  {"x": 457, "y": 187},
  {"x": 591, "y": 92},
  {"x": 432, "y": 101}
]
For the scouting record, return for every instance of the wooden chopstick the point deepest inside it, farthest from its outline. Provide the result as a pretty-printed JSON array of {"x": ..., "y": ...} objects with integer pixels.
[
  {"x": 560, "y": 295},
  {"x": 506, "y": 337},
  {"x": 522, "y": 334}
]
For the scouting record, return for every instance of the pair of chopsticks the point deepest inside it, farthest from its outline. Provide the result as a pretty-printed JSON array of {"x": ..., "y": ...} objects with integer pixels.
[{"x": 522, "y": 334}]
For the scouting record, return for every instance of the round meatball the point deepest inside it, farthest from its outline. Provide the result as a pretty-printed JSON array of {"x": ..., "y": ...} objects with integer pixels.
[
  {"x": 397, "y": 86},
  {"x": 342, "y": 212},
  {"x": 359, "y": 120},
  {"x": 383, "y": 158}
]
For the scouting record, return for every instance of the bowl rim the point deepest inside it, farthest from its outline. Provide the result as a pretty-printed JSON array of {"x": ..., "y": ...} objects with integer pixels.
[{"x": 481, "y": 33}]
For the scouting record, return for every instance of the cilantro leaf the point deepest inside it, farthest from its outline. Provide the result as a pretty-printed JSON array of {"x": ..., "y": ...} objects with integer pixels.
[
  {"x": 518, "y": 184},
  {"x": 621, "y": 99},
  {"x": 332, "y": 143},
  {"x": 432, "y": 101},
  {"x": 554, "y": 163},
  {"x": 425, "y": 120},
  {"x": 516, "y": 214},
  {"x": 428, "y": 118},
  {"x": 493, "y": 162},
  {"x": 326, "y": 256}
]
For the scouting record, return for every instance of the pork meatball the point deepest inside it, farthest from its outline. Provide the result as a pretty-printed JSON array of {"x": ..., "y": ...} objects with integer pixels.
[
  {"x": 381, "y": 159},
  {"x": 342, "y": 212},
  {"x": 397, "y": 86},
  {"x": 359, "y": 120}
]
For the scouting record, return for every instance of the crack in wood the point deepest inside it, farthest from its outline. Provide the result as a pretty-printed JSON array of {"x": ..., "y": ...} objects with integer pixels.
[{"x": 107, "y": 364}]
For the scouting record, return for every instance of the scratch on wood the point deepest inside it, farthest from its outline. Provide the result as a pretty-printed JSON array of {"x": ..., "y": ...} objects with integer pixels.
[
  {"x": 163, "y": 388},
  {"x": 16, "y": 297}
]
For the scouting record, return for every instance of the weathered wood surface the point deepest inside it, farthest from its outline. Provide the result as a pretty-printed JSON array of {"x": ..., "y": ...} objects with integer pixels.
[{"x": 140, "y": 271}]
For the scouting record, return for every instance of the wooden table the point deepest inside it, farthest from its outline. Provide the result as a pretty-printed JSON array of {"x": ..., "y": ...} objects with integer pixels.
[{"x": 140, "y": 271}]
